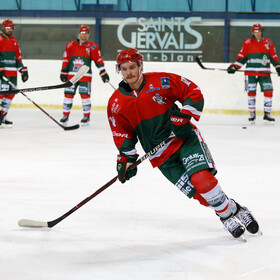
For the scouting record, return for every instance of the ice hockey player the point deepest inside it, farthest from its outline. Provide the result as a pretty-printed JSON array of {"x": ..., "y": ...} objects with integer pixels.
[
  {"x": 10, "y": 63},
  {"x": 78, "y": 53},
  {"x": 143, "y": 108},
  {"x": 257, "y": 52}
]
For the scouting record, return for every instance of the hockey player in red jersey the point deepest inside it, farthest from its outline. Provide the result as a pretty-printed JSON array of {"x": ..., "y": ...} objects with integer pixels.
[
  {"x": 257, "y": 53},
  {"x": 143, "y": 108},
  {"x": 78, "y": 53},
  {"x": 10, "y": 63}
]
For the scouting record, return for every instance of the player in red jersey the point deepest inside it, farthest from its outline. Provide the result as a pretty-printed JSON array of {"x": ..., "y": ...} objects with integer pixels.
[
  {"x": 143, "y": 108},
  {"x": 10, "y": 63},
  {"x": 257, "y": 53},
  {"x": 78, "y": 53}
]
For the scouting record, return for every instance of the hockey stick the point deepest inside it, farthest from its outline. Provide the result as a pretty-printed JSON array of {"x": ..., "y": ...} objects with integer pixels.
[
  {"x": 112, "y": 86},
  {"x": 76, "y": 126},
  {"x": 50, "y": 224},
  {"x": 222, "y": 69},
  {"x": 69, "y": 83}
]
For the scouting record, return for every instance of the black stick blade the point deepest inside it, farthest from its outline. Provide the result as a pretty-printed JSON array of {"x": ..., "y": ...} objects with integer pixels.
[{"x": 76, "y": 126}]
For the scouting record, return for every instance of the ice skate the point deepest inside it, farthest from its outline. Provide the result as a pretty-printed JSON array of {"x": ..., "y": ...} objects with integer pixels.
[
  {"x": 85, "y": 120},
  {"x": 6, "y": 123},
  {"x": 233, "y": 226},
  {"x": 268, "y": 119},
  {"x": 247, "y": 219},
  {"x": 252, "y": 117},
  {"x": 64, "y": 119}
]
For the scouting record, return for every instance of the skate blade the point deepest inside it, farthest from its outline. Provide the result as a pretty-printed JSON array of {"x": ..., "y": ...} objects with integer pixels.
[
  {"x": 85, "y": 124},
  {"x": 241, "y": 239},
  {"x": 6, "y": 125},
  {"x": 268, "y": 122}
]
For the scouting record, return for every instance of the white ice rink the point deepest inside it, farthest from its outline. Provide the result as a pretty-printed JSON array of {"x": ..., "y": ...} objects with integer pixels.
[{"x": 145, "y": 229}]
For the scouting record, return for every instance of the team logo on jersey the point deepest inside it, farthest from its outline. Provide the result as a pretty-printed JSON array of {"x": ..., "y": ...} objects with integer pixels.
[
  {"x": 159, "y": 99},
  {"x": 78, "y": 63},
  {"x": 93, "y": 47},
  {"x": 152, "y": 88},
  {"x": 165, "y": 83},
  {"x": 88, "y": 51}
]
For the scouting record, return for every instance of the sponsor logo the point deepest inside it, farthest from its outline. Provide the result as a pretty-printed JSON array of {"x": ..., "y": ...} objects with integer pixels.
[
  {"x": 165, "y": 83},
  {"x": 184, "y": 80},
  {"x": 162, "y": 39},
  {"x": 115, "y": 108},
  {"x": 122, "y": 135},
  {"x": 152, "y": 88},
  {"x": 113, "y": 121},
  {"x": 264, "y": 61},
  {"x": 194, "y": 157}
]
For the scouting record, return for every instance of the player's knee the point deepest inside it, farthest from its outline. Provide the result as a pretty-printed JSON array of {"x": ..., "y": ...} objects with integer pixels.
[
  {"x": 203, "y": 181},
  {"x": 69, "y": 96}
]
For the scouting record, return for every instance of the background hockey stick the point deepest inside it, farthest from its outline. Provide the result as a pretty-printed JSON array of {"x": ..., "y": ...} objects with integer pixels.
[
  {"x": 69, "y": 83},
  {"x": 76, "y": 126},
  {"x": 222, "y": 69},
  {"x": 50, "y": 224},
  {"x": 112, "y": 86}
]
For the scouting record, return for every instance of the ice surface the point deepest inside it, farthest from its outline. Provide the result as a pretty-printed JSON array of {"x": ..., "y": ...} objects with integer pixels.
[{"x": 143, "y": 229}]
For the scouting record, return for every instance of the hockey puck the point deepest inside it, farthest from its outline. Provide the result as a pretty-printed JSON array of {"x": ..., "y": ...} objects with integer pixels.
[{"x": 244, "y": 127}]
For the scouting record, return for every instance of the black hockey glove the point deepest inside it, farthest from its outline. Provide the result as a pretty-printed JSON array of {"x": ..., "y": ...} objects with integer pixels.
[
  {"x": 123, "y": 162},
  {"x": 24, "y": 74},
  {"x": 278, "y": 70},
  {"x": 104, "y": 76},
  {"x": 180, "y": 124},
  {"x": 64, "y": 75},
  {"x": 232, "y": 68}
]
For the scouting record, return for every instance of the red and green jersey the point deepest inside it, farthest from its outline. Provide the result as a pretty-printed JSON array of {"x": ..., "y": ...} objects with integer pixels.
[
  {"x": 145, "y": 114},
  {"x": 76, "y": 55},
  {"x": 257, "y": 55},
  {"x": 10, "y": 56}
]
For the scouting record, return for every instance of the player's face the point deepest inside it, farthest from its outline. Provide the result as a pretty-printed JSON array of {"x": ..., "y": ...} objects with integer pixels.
[
  {"x": 258, "y": 34},
  {"x": 84, "y": 36},
  {"x": 8, "y": 30},
  {"x": 130, "y": 71}
]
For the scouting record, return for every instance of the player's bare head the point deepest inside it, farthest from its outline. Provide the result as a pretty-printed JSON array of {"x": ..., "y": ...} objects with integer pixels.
[
  {"x": 257, "y": 30},
  {"x": 8, "y": 27}
]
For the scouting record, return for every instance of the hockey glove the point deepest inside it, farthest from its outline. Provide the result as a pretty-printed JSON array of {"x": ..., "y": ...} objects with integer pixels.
[
  {"x": 123, "y": 162},
  {"x": 180, "y": 124},
  {"x": 278, "y": 70},
  {"x": 104, "y": 76},
  {"x": 24, "y": 74},
  {"x": 232, "y": 68}
]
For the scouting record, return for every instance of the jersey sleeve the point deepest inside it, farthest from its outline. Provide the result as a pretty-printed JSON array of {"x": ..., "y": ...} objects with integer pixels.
[
  {"x": 189, "y": 95},
  {"x": 66, "y": 58},
  {"x": 123, "y": 133},
  {"x": 274, "y": 59},
  {"x": 19, "y": 63},
  {"x": 242, "y": 55},
  {"x": 97, "y": 57}
]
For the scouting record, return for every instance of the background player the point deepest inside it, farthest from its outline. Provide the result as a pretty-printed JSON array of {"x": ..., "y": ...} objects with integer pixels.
[
  {"x": 143, "y": 108},
  {"x": 10, "y": 63},
  {"x": 257, "y": 52},
  {"x": 78, "y": 53}
]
